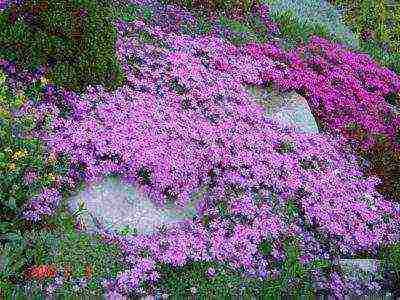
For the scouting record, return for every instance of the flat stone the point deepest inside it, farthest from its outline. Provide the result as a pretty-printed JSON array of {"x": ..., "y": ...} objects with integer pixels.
[
  {"x": 366, "y": 265},
  {"x": 115, "y": 206},
  {"x": 289, "y": 109}
]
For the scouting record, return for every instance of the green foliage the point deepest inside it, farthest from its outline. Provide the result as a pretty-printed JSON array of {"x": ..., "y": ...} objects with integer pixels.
[
  {"x": 265, "y": 247},
  {"x": 381, "y": 18},
  {"x": 285, "y": 147},
  {"x": 83, "y": 47},
  {"x": 18, "y": 155},
  {"x": 147, "y": 14},
  {"x": 295, "y": 31},
  {"x": 77, "y": 250},
  {"x": 203, "y": 26},
  {"x": 62, "y": 248},
  {"x": 178, "y": 281},
  {"x": 146, "y": 37},
  {"x": 294, "y": 273},
  {"x": 228, "y": 283},
  {"x": 390, "y": 260},
  {"x": 291, "y": 209},
  {"x": 129, "y": 13}
]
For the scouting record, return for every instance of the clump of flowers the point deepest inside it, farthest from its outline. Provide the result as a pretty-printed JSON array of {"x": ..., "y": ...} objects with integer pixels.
[
  {"x": 41, "y": 272},
  {"x": 185, "y": 121},
  {"x": 188, "y": 122},
  {"x": 43, "y": 204}
]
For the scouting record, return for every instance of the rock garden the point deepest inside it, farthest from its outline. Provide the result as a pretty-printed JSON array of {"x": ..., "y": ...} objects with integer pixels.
[{"x": 208, "y": 149}]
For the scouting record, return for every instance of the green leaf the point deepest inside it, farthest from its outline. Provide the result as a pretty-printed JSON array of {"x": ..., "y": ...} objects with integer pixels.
[
  {"x": 147, "y": 14},
  {"x": 320, "y": 264},
  {"x": 131, "y": 13},
  {"x": 3, "y": 77},
  {"x": 12, "y": 203},
  {"x": 5, "y": 226},
  {"x": 265, "y": 247}
]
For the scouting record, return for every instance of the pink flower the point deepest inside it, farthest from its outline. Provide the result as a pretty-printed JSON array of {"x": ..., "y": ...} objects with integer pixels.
[
  {"x": 211, "y": 272},
  {"x": 30, "y": 176}
]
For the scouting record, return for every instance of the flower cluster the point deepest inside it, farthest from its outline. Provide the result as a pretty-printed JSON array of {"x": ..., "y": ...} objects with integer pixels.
[
  {"x": 43, "y": 204},
  {"x": 41, "y": 272},
  {"x": 343, "y": 88},
  {"x": 187, "y": 121},
  {"x": 184, "y": 121},
  {"x": 4, "y": 4}
]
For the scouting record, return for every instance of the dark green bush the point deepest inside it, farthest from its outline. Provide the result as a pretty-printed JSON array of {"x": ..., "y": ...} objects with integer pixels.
[
  {"x": 230, "y": 7},
  {"x": 79, "y": 49}
]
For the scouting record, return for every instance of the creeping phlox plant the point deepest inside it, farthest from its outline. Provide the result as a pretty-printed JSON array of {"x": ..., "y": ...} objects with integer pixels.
[{"x": 184, "y": 120}]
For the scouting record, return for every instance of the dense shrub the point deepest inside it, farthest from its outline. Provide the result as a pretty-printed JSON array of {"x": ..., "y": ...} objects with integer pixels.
[
  {"x": 234, "y": 8},
  {"x": 76, "y": 39}
]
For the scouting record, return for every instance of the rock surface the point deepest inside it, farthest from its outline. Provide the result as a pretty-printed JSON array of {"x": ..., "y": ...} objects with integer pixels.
[
  {"x": 113, "y": 205},
  {"x": 362, "y": 272},
  {"x": 320, "y": 11},
  {"x": 289, "y": 109}
]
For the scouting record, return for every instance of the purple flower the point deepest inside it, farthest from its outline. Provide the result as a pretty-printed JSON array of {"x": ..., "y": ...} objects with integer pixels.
[
  {"x": 30, "y": 176},
  {"x": 43, "y": 204},
  {"x": 184, "y": 147},
  {"x": 211, "y": 272}
]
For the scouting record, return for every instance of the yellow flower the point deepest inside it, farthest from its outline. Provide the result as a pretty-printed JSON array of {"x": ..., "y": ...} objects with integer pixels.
[
  {"x": 44, "y": 80},
  {"x": 18, "y": 154},
  {"x": 2, "y": 77},
  {"x": 20, "y": 99},
  {"x": 4, "y": 113},
  {"x": 12, "y": 166},
  {"x": 52, "y": 177}
]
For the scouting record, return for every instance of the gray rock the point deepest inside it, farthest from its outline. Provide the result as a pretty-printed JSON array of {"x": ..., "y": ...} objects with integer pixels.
[
  {"x": 115, "y": 206},
  {"x": 395, "y": 110},
  {"x": 361, "y": 271},
  {"x": 319, "y": 11},
  {"x": 289, "y": 109}
]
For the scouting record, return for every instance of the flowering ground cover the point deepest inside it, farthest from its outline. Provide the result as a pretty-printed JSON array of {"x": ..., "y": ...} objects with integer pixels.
[
  {"x": 281, "y": 206},
  {"x": 377, "y": 24}
]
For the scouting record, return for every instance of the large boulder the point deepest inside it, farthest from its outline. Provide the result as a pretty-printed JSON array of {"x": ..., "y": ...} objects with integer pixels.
[{"x": 115, "y": 206}]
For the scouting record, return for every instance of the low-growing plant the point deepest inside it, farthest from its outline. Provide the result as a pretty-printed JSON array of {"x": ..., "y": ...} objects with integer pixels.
[
  {"x": 226, "y": 282},
  {"x": 73, "y": 256},
  {"x": 390, "y": 265},
  {"x": 377, "y": 24}
]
